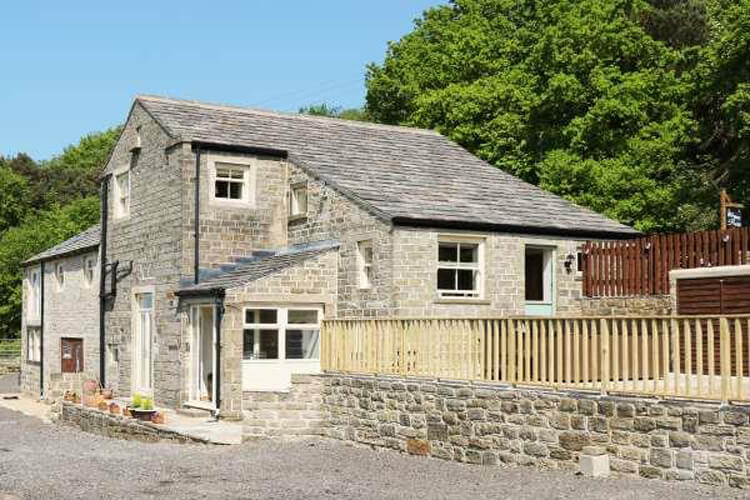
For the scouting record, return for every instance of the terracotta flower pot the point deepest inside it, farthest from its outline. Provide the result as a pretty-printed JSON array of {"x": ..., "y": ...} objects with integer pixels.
[
  {"x": 114, "y": 408},
  {"x": 107, "y": 393},
  {"x": 158, "y": 418}
]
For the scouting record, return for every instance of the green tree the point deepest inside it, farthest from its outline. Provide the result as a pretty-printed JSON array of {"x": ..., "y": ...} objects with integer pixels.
[
  {"x": 323, "y": 109},
  {"x": 575, "y": 95},
  {"x": 38, "y": 232},
  {"x": 721, "y": 97},
  {"x": 66, "y": 177},
  {"x": 14, "y": 198}
]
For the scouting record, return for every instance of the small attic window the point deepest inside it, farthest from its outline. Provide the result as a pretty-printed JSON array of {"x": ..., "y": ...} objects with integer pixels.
[
  {"x": 232, "y": 180},
  {"x": 298, "y": 200},
  {"x": 137, "y": 142}
]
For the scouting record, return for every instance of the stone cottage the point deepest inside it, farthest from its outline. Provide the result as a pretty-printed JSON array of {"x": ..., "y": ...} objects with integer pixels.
[{"x": 228, "y": 234}]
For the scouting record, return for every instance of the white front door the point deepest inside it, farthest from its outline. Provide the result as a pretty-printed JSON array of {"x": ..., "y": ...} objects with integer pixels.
[
  {"x": 142, "y": 343},
  {"x": 201, "y": 386}
]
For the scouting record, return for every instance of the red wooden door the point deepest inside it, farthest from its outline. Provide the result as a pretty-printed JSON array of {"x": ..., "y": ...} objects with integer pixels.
[{"x": 71, "y": 352}]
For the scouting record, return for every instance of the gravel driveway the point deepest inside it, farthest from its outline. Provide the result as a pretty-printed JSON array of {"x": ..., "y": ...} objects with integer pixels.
[
  {"x": 48, "y": 461},
  {"x": 9, "y": 383}
]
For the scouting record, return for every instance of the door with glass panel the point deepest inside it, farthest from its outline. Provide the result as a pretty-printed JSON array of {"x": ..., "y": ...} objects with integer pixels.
[
  {"x": 277, "y": 343},
  {"x": 539, "y": 281},
  {"x": 142, "y": 343},
  {"x": 201, "y": 387}
]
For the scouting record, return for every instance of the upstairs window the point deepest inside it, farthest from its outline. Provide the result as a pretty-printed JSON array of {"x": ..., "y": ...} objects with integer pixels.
[
  {"x": 122, "y": 194},
  {"x": 298, "y": 200},
  {"x": 459, "y": 269},
  {"x": 34, "y": 302},
  {"x": 60, "y": 275},
  {"x": 89, "y": 269},
  {"x": 365, "y": 258},
  {"x": 229, "y": 183}
]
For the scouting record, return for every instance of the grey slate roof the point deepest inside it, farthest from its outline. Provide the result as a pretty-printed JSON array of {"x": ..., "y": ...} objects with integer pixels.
[
  {"x": 85, "y": 240},
  {"x": 251, "y": 269},
  {"x": 406, "y": 175}
]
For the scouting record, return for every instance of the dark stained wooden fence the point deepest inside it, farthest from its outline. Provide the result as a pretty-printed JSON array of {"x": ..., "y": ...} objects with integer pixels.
[{"x": 641, "y": 266}]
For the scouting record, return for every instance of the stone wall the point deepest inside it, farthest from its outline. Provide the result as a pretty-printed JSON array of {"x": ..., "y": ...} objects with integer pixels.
[
  {"x": 277, "y": 414},
  {"x": 415, "y": 262},
  {"x": 151, "y": 239},
  {"x": 331, "y": 215},
  {"x": 653, "y": 305},
  {"x": 119, "y": 427},
  {"x": 312, "y": 282},
  {"x": 70, "y": 311},
  {"x": 489, "y": 424},
  {"x": 230, "y": 230}
]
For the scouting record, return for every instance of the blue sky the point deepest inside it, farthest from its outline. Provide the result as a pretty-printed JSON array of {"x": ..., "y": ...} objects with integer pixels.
[{"x": 73, "y": 67}]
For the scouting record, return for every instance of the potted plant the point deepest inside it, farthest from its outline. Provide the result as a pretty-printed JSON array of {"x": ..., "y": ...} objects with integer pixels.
[
  {"x": 141, "y": 408},
  {"x": 108, "y": 393}
]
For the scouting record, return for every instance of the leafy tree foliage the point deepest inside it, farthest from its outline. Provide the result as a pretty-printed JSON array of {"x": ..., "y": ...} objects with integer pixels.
[
  {"x": 42, "y": 204},
  {"x": 328, "y": 110},
  {"x": 591, "y": 100},
  {"x": 14, "y": 193}
]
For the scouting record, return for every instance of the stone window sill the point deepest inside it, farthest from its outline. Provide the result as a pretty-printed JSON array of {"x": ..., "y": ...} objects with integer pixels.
[
  {"x": 297, "y": 218},
  {"x": 483, "y": 302}
]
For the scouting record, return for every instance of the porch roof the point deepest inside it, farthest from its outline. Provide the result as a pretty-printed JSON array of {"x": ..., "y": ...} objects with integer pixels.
[{"x": 250, "y": 269}]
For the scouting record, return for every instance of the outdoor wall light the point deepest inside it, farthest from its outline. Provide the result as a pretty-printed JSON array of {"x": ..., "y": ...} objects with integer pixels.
[{"x": 569, "y": 259}]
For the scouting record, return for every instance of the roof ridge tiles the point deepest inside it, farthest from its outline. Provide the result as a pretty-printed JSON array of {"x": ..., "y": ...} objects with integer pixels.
[{"x": 290, "y": 115}]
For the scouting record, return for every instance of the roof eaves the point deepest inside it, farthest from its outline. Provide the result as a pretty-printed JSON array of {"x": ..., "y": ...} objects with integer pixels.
[
  {"x": 44, "y": 258},
  {"x": 511, "y": 228}
]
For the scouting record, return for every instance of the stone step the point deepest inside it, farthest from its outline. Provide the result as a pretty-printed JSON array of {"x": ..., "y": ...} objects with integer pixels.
[{"x": 187, "y": 411}]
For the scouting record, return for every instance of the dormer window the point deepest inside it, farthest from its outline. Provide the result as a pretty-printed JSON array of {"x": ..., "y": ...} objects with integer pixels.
[
  {"x": 231, "y": 180},
  {"x": 298, "y": 200}
]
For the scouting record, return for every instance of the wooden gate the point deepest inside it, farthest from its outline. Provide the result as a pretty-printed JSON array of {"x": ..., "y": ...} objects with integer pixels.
[{"x": 71, "y": 353}]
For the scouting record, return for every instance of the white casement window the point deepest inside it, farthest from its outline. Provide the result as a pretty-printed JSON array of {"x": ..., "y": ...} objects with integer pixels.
[
  {"x": 89, "y": 270},
  {"x": 298, "y": 200},
  {"x": 364, "y": 262},
  {"x": 122, "y": 194},
  {"x": 34, "y": 344},
  {"x": 232, "y": 180},
  {"x": 142, "y": 341},
  {"x": 60, "y": 275},
  {"x": 34, "y": 301},
  {"x": 459, "y": 272},
  {"x": 281, "y": 333}
]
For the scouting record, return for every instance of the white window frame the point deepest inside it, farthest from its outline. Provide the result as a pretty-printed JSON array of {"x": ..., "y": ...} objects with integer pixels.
[
  {"x": 281, "y": 326},
  {"x": 478, "y": 268},
  {"x": 143, "y": 342},
  {"x": 366, "y": 269},
  {"x": 34, "y": 344},
  {"x": 34, "y": 302},
  {"x": 295, "y": 200},
  {"x": 121, "y": 203},
  {"x": 60, "y": 275},
  {"x": 248, "y": 167},
  {"x": 89, "y": 280}
]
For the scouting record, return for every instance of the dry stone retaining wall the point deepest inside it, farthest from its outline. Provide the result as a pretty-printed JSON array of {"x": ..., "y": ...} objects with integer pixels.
[
  {"x": 294, "y": 413},
  {"x": 490, "y": 424},
  {"x": 116, "y": 426}
]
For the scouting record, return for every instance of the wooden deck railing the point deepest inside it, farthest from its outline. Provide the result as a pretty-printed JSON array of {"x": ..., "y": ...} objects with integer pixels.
[
  {"x": 641, "y": 266},
  {"x": 701, "y": 357}
]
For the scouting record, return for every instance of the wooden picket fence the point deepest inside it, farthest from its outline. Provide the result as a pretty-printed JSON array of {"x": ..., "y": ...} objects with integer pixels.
[
  {"x": 698, "y": 357},
  {"x": 641, "y": 266}
]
